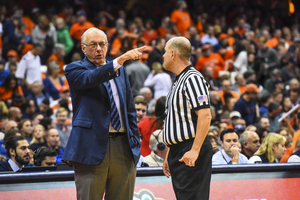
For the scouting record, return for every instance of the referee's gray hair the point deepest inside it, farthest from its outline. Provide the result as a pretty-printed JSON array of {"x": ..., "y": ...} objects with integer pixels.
[
  {"x": 58, "y": 47},
  {"x": 91, "y": 29},
  {"x": 153, "y": 142},
  {"x": 182, "y": 48}
]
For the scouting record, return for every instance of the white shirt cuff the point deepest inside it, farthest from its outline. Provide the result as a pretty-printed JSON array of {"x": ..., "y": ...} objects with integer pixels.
[{"x": 116, "y": 64}]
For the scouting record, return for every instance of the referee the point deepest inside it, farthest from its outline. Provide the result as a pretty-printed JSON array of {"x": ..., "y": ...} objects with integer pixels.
[{"x": 186, "y": 125}]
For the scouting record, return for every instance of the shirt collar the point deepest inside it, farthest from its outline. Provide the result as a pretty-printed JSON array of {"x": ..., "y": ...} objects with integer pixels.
[
  {"x": 156, "y": 157},
  {"x": 14, "y": 166},
  {"x": 183, "y": 71},
  {"x": 227, "y": 157}
]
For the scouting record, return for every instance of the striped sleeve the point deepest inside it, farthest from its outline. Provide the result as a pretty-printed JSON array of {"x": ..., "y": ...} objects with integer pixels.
[{"x": 196, "y": 91}]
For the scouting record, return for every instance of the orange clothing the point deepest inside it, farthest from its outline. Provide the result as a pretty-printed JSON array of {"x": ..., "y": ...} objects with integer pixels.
[
  {"x": 241, "y": 31},
  {"x": 214, "y": 60},
  {"x": 290, "y": 150},
  {"x": 149, "y": 37},
  {"x": 60, "y": 63},
  {"x": 116, "y": 47},
  {"x": 103, "y": 27},
  {"x": 199, "y": 26},
  {"x": 230, "y": 126},
  {"x": 233, "y": 93},
  {"x": 29, "y": 24},
  {"x": 7, "y": 94},
  {"x": 66, "y": 83},
  {"x": 272, "y": 43},
  {"x": 162, "y": 31},
  {"x": 26, "y": 47},
  {"x": 77, "y": 29},
  {"x": 182, "y": 20},
  {"x": 242, "y": 89},
  {"x": 231, "y": 41}
]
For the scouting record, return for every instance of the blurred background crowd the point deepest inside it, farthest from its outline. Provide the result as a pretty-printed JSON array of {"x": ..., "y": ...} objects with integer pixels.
[{"x": 247, "y": 50}]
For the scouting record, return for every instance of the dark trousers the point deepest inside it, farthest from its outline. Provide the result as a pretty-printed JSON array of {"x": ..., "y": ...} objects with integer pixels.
[{"x": 190, "y": 182}]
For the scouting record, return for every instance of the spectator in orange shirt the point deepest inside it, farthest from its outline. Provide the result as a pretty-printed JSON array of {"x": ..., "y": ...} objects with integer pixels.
[
  {"x": 180, "y": 18},
  {"x": 240, "y": 84},
  {"x": 29, "y": 24},
  {"x": 149, "y": 33},
  {"x": 275, "y": 40},
  {"x": 58, "y": 56},
  {"x": 79, "y": 27},
  {"x": 11, "y": 92},
  {"x": 210, "y": 59},
  {"x": 165, "y": 28},
  {"x": 226, "y": 92}
]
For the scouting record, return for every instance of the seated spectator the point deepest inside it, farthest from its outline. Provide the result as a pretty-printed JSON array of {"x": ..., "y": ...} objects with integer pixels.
[
  {"x": 216, "y": 102},
  {"x": 10, "y": 91},
  {"x": 12, "y": 58},
  {"x": 14, "y": 113},
  {"x": 38, "y": 94},
  {"x": 240, "y": 84},
  {"x": 228, "y": 108},
  {"x": 159, "y": 80},
  {"x": 3, "y": 72},
  {"x": 271, "y": 150},
  {"x": 158, "y": 150},
  {"x": 63, "y": 95},
  {"x": 264, "y": 122},
  {"x": 246, "y": 105},
  {"x": 63, "y": 128},
  {"x": 230, "y": 154},
  {"x": 17, "y": 149},
  {"x": 38, "y": 137},
  {"x": 151, "y": 123},
  {"x": 250, "y": 143},
  {"x": 264, "y": 102},
  {"x": 44, "y": 156},
  {"x": 58, "y": 56},
  {"x": 28, "y": 108},
  {"x": 269, "y": 83},
  {"x": 141, "y": 106},
  {"x": 157, "y": 53},
  {"x": 36, "y": 118},
  {"x": 290, "y": 71},
  {"x": 295, "y": 96},
  {"x": 215, "y": 130},
  {"x": 45, "y": 109},
  {"x": 213, "y": 60},
  {"x": 286, "y": 104},
  {"x": 274, "y": 109},
  {"x": 63, "y": 35},
  {"x": 9, "y": 134},
  {"x": 295, "y": 157},
  {"x": 53, "y": 82},
  {"x": 26, "y": 129},
  {"x": 285, "y": 133},
  {"x": 251, "y": 128},
  {"x": 234, "y": 116},
  {"x": 11, "y": 124},
  {"x": 53, "y": 141},
  {"x": 226, "y": 91},
  {"x": 211, "y": 137},
  {"x": 47, "y": 123},
  {"x": 147, "y": 94}
]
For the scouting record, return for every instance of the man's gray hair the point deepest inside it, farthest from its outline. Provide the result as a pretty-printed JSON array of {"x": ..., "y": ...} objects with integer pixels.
[
  {"x": 144, "y": 90},
  {"x": 244, "y": 137},
  {"x": 58, "y": 47},
  {"x": 91, "y": 29}
]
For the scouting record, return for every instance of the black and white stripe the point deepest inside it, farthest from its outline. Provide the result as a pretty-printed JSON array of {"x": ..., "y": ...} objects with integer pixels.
[{"x": 181, "y": 103}]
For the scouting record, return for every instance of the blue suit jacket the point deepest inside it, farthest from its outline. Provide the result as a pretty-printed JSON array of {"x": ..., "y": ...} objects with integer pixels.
[{"x": 91, "y": 111}]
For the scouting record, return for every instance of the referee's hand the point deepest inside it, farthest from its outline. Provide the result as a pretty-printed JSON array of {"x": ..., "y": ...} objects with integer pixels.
[
  {"x": 166, "y": 169},
  {"x": 189, "y": 158}
]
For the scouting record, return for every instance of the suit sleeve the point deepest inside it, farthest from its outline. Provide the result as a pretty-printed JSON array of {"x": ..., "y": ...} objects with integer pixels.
[{"x": 80, "y": 78}]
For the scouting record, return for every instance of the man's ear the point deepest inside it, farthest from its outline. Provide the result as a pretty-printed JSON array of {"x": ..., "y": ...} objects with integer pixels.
[
  {"x": 83, "y": 48},
  {"x": 12, "y": 152},
  {"x": 172, "y": 54}
]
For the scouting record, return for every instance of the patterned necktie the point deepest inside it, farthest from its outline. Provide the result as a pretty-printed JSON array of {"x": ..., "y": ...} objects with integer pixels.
[{"x": 115, "y": 119}]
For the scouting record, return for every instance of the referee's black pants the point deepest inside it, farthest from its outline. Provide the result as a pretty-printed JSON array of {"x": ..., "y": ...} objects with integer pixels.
[{"x": 191, "y": 183}]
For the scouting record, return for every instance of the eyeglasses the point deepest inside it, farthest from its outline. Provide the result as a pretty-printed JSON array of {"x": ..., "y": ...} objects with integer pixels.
[{"x": 95, "y": 45}]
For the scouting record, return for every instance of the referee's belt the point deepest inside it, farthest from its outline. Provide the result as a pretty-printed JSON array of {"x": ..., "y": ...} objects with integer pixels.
[{"x": 115, "y": 134}]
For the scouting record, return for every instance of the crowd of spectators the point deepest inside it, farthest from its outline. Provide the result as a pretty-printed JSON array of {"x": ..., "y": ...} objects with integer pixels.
[{"x": 249, "y": 58}]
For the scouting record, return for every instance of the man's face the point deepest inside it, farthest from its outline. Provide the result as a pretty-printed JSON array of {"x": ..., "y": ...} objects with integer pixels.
[
  {"x": 43, "y": 107},
  {"x": 49, "y": 161},
  {"x": 140, "y": 111},
  {"x": 31, "y": 109},
  {"x": 167, "y": 56},
  {"x": 37, "y": 119},
  {"x": 36, "y": 88},
  {"x": 265, "y": 123},
  {"x": 11, "y": 125},
  {"x": 226, "y": 86},
  {"x": 18, "y": 114},
  {"x": 229, "y": 140},
  {"x": 81, "y": 19},
  {"x": 65, "y": 95},
  {"x": 62, "y": 117},
  {"x": 53, "y": 138},
  {"x": 95, "y": 55},
  {"x": 21, "y": 154},
  {"x": 253, "y": 142}
]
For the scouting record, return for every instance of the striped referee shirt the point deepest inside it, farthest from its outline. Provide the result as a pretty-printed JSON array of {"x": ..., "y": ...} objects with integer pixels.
[{"x": 188, "y": 94}]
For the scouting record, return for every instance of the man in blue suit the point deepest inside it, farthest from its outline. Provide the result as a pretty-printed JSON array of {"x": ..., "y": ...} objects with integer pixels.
[{"x": 104, "y": 145}]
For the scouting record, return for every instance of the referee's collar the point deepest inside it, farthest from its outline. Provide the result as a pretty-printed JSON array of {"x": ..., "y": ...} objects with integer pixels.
[{"x": 183, "y": 71}]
